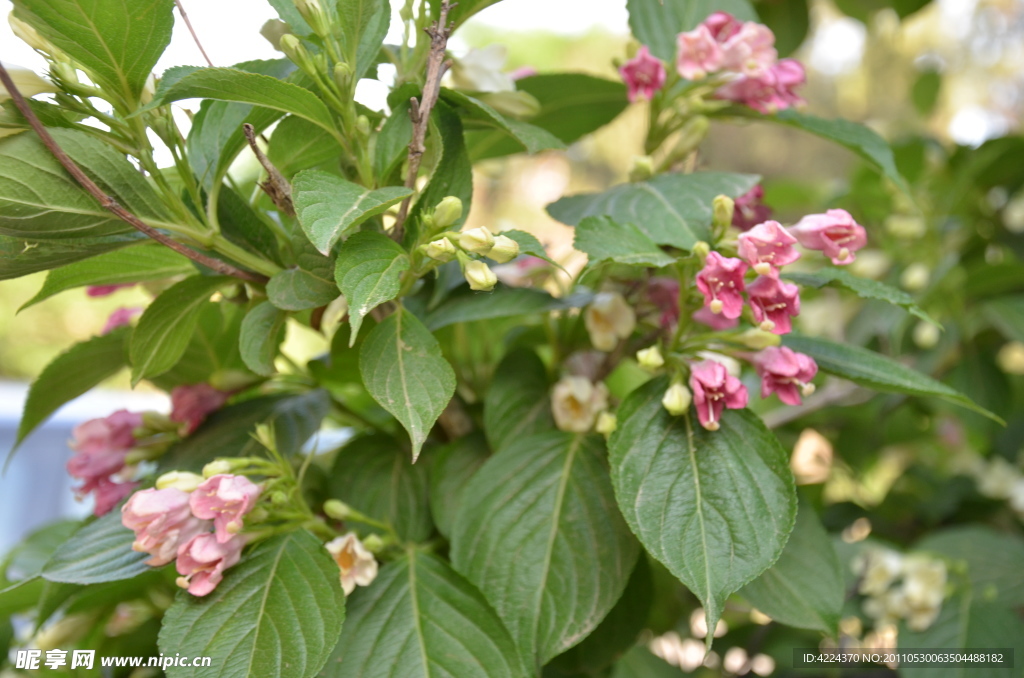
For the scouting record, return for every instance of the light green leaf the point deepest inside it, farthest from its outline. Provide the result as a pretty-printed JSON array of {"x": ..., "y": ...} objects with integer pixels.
[
  {"x": 262, "y": 333},
  {"x": 150, "y": 261},
  {"x": 503, "y": 302},
  {"x": 22, "y": 256},
  {"x": 864, "y": 287},
  {"x": 533, "y": 139},
  {"x": 165, "y": 328},
  {"x": 656, "y": 23},
  {"x": 877, "y": 371},
  {"x": 369, "y": 272},
  {"x": 420, "y": 619},
  {"x": 372, "y": 474},
  {"x": 364, "y": 23},
  {"x": 805, "y": 587},
  {"x": 450, "y": 470},
  {"x": 404, "y": 371},
  {"x": 290, "y": 15},
  {"x": 463, "y": 10},
  {"x": 278, "y": 612},
  {"x": 603, "y": 239},
  {"x": 539, "y": 534},
  {"x": 328, "y": 207},
  {"x": 671, "y": 209},
  {"x": 715, "y": 507},
  {"x": 993, "y": 559},
  {"x": 100, "y": 551},
  {"x": 116, "y": 42},
  {"x": 298, "y": 144},
  {"x": 298, "y": 290},
  {"x": 528, "y": 244},
  {"x": 1007, "y": 315},
  {"x": 517, "y": 403}
]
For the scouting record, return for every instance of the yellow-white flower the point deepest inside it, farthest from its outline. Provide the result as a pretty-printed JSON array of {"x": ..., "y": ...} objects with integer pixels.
[
  {"x": 480, "y": 277},
  {"x": 441, "y": 249},
  {"x": 357, "y": 564},
  {"x": 997, "y": 480},
  {"x": 1011, "y": 358},
  {"x": 29, "y": 35},
  {"x": 676, "y": 399},
  {"x": 606, "y": 423},
  {"x": 650, "y": 358},
  {"x": 878, "y": 569},
  {"x": 924, "y": 581},
  {"x": 27, "y": 82},
  {"x": 481, "y": 70},
  {"x": 477, "y": 240},
  {"x": 179, "y": 480},
  {"x": 576, "y": 402},
  {"x": 504, "y": 250},
  {"x": 608, "y": 319}
]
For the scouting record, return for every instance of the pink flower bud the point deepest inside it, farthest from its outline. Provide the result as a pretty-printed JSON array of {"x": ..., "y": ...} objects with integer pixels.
[
  {"x": 105, "y": 290},
  {"x": 111, "y": 433},
  {"x": 723, "y": 25},
  {"x": 698, "y": 54},
  {"x": 714, "y": 390},
  {"x": 774, "y": 303},
  {"x": 785, "y": 372},
  {"x": 767, "y": 247},
  {"x": 834, "y": 233},
  {"x": 643, "y": 74},
  {"x": 749, "y": 210},
  {"x": 202, "y": 561},
  {"x": 162, "y": 521},
  {"x": 191, "y": 404},
  {"x": 120, "y": 318},
  {"x": 721, "y": 282},
  {"x": 224, "y": 499},
  {"x": 107, "y": 494}
]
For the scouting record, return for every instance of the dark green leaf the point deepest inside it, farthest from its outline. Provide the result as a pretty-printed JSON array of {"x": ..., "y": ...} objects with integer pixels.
[
  {"x": 213, "y": 348},
  {"x": 298, "y": 144},
  {"x": 640, "y": 663},
  {"x": 993, "y": 559},
  {"x": 603, "y": 239},
  {"x": 503, "y": 302},
  {"x": 100, "y": 551},
  {"x": 864, "y": 287},
  {"x": 369, "y": 272},
  {"x": 246, "y": 227},
  {"x": 262, "y": 333},
  {"x": 517, "y": 403},
  {"x": 393, "y": 141},
  {"x": 656, "y": 23},
  {"x": 789, "y": 21},
  {"x": 533, "y": 139},
  {"x": 1007, "y": 315},
  {"x": 20, "y": 596},
  {"x": 925, "y": 92},
  {"x": 450, "y": 470},
  {"x": 21, "y": 256},
  {"x": 298, "y": 290},
  {"x": 364, "y": 23}
]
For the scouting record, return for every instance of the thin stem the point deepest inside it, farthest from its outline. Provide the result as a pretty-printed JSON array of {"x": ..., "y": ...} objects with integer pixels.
[{"x": 181, "y": 10}]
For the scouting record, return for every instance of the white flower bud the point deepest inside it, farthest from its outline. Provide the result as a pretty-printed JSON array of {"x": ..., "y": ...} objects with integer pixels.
[
  {"x": 216, "y": 468},
  {"x": 480, "y": 276},
  {"x": 758, "y": 339},
  {"x": 505, "y": 249},
  {"x": 337, "y": 509},
  {"x": 926, "y": 335},
  {"x": 915, "y": 278},
  {"x": 606, "y": 423},
  {"x": 447, "y": 212},
  {"x": 576, "y": 402},
  {"x": 609, "y": 319},
  {"x": 441, "y": 250},
  {"x": 179, "y": 480},
  {"x": 477, "y": 240},
  {"x": 1011, "y": 358},
  {"x": 722, "y": 208},
  {"x": 676, "y": 399},
  {"x": 27, "y": 82},
  {"x": 642, "y": 169},
  {"x": 650, "y": 357},
  {"x": 701, "y": 250}
]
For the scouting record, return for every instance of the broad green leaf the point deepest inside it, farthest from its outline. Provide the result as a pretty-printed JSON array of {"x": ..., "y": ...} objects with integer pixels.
[
  {"x": 247, "y": 227},
  {"x": 21, "y": 596},
  {"x": 369, "y": 272},
  {"x": 993, "y": 559},
  {"x": 503, "y": 302},
  {"x": 404, "y": 371},
  {"x": 100, "y": 551},
  {"x": 298, "y": 290},
  {"x": 277, "y": 613},
  {"x": 789, "y": 21},
  {"x": 372, "y": 474},
  {"x": 364, "y": 23},
  {"x": 71, "y": 374},
  {"x": 262, "y": 333},
  {"x": 450, "y": 470},
  {"x": 656, "y": 23},
  {"x": 877, "y": 371},
  {"x": 39, "y": 200},
  {"x": 22, "y": 256},
  {"x": 865, "y": 288},
  {"x": 671, "y": 209},
  {"x": 117, "y": 43},
  {"x": 539, "y": 534},
  {"x": 805, "y": 586},
  {"x": 298, "y": 144},
  {"x": 463, "y": 10},
  {"x": 533, "y": 139},
  {"x": 150, "y": 261},
  {"x": 863, "y": 10},
  {"x": 517, "y": 403},
  {"x": 1007, "y": 315},
  {"x": 528, "y": 244},
  {"x": 715, "y": 507},
  {"x": 213, "y": 349},
  {"x": 604, "y": 239},
  {"x": 392, "y": 147},
  {"x": 641, "y": 663},
  {"x": 26, "y": 560},
  {"x": 290, "y": 15},
  {"x": 328, "y": 207},
  {"x": 453, "y": 175},
  {"x": 232, "y": 84},
  {"x": 420, "y": 619},
  {"x": 167, "y": 324}
]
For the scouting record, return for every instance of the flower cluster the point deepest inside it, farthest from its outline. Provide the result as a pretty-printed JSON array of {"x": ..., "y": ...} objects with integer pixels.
[
  {"x": 173, "y": 522},
  {"x": 910, "y": 587},
  {"x": 999, "y": 479}
]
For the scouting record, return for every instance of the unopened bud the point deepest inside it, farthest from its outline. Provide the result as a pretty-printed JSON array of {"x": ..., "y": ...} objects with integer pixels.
[
  {"x": 179, "y": 480},
  {"x": 310, "y": 10},
  {"x": 29, "y": 35},
  {"x": 650, "y": 358},
  {"x": 216, "y": 468},
  {"x": 480, "y": 276},
  {"x": 363, "y": 126},
  {"x": 278, "y": 498},
  {"x": 477, "y": 240},
  {"x": 915, "y": 278},
  {"x": 447, "y": 212},
  {"x": 926, "y": 335},
  {"x": 505, "y": 249},
  {"x": 758, "y": 339},
  {"x": 642, "y": 169},
  {"x": 273, "y": 30},
  {"x": 606, "y": 423},
  {"x": 722, "y": 209},
  {"x": 338, "y": 510},
  {"x": 373, "y": 543},
  {"x": 290, "y": 45},
  {"x": 155, "y": 422},
  {"x": 676, "y": 399},
  {"x": 148, "y": 90},
  {"x": 441, "y": 250},
  {"x": 701, "y": 250},
  {"x": 342, "y": 75}
]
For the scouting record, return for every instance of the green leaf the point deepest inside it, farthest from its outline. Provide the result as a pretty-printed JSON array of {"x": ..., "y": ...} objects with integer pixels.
[
  {"x": 168, "y": 323},
  {"x": 805, "y": 587},
  {"x": 369, "y": 272},
  {"x": 39, "y": 200},
  {"x": 993, "y": 559},
  {"x": 298, "y": 290},
  {"x": 372, "y": 474},
  {"x": 420, "y": 619},
  {"x": 877, "y": 371},
  {"x": 26, "y": 560},
  {"x": 298, "y": 144},
  {"x": 290, "y": 15},
  {"x": 533, "y": 139},
  {"x": 22, "y": 256},
  {"x": 503, "y": 302},
  {"x": 925, "y": 92},
  {"x": 463, "y": 10},
  {"x": 69, "y": 375},
  {"x": 450, "y": 470},
  {"x": 262, "y": 333},
  {"x": 539, "y": 534},
  {"x": 150, "y": 261},
  {"x": 404, "y": 371},
  {"x": 604, "y": 239},
  {"x": 716, "y": 507},
  {"x": 528, "y": 244},
  {"x": 364, "y": 23},
  {"x": 392, "y": 146},
  {"x": 100, "y": 551},
  {"x": 213, "y": 348},
  {"x": 1007, "y": 315},
  {"x": 865, "y": 288},
  {"x": 246, "y": 227},
  {"x": 656, "y": 23},
  {"x": 233, "y": 84},
  {"x": 789, "y": 21},
  {"x": 641, "y": 663},
  {"x": 452, "y": 176},
  {"x": 278, "y": 612},
  {"x": 517, "y": 403},
  {"x": 117, "y": 43},
  {"x": 328, "y": 207},
  {"x": 671, "y": 209},
  {"x": 21, "y": 596}
]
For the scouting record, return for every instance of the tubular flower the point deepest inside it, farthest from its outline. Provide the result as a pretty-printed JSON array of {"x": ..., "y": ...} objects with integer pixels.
[
  {"x": 357, "y": 564},
  {"x": 191, "y": 404},
  {"x": 100, "y": 447},
  {"x": 643, "y": 74},
  {"x": 714, "y": 390},
  {"x": 698, "y": 53},
  {"x": 750, "y": 50},
  {"x": 721, "y": 282},
  {"x": 576, "y": 402},
  {"x": 202, "y": 561},
  {"x": 162, "y": 521},
  {"x": 774, "y": 303},
  {"x": 769, "y": 92},
  {"x": 664, "y": 294},
  {"x": 750, "y": 210},
  {"x": 107, "y": 493},
  {"x": 608, "y": 319},
  {"x": 224, "y": 499},
  {"x": 109, "y": 434},
  {"x": 767, "y": 247},
  {"x": 834, "y": 233},
  {"x": 105, "y": 290},
  {"x": 722, "y": 25},
  {"x": 785, "y": 372}
]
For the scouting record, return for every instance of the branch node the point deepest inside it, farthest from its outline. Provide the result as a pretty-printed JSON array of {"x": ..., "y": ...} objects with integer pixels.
[{"x": 276, "y": 186}]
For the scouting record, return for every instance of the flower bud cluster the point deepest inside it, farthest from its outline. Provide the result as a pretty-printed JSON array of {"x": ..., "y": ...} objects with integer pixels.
[
  {"x": 908, "y": 587},
  {"x": 464, "y": 246}
]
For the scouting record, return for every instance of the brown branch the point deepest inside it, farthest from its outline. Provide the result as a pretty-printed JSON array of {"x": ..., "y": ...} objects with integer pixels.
[
  {"x": 276, "y": 186},
  {"x": 108, "y": 202},
  {"x": 181, "y": 10},
  {"x": 419, "y": 109}
]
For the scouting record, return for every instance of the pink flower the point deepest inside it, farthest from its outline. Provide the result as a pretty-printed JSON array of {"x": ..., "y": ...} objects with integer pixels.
[
  {"x": 162, "y": 521},
  {"x": 750, "y": 50},
  {"x": 714, "y": 389},
  {"x": 224, "y": 499},
  {"x": 100, "y": 447},
  {"x": 721, "y": 282},
  {"x": 202, "y": 561},
  {"x": 643, "y": 74},
  {"x": 698, "y": 53},
  {"x": 108, "y": 493},
  {"x": 767, "y": 247},
  {"x": 715, "y": 321},
  {"x": 774, "y": 302},
  {"x": 120, "y": 317},
  {"x": 111, "y": 433},
  {"x": 723, "y": 25},
  {"x": 105, "y": 290},
  {"x": 750, "y": 211},
  {"x": 785, "y": 372},
  {"x": 769, "y": 92},
  {"x": 664, "y": 294},
  {"x": 523, "y": 72},
  {"x": 835, "y": 233},
  {"x": 191, "y": 404}
]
